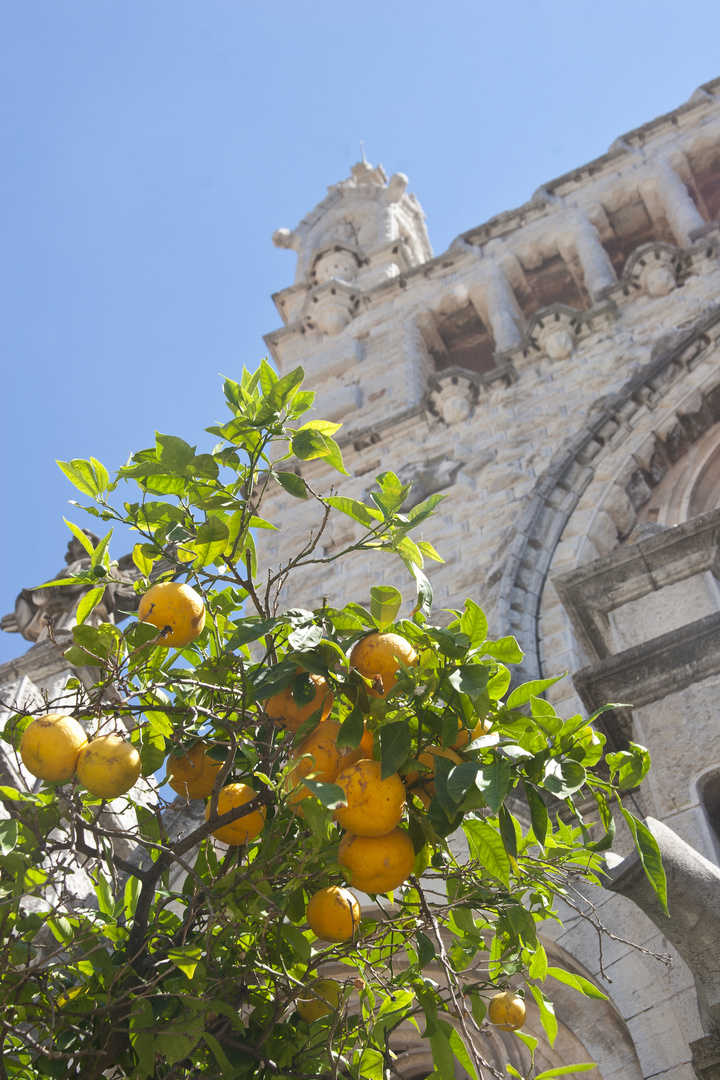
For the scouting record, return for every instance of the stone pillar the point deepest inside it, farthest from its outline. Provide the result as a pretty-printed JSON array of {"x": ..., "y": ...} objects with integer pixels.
[
  {"x": 498, "y": 305},
  {"x": 682, "y": 213},
  {"x": 598, "y": 270},
  {"x": 693, "y": 886}
]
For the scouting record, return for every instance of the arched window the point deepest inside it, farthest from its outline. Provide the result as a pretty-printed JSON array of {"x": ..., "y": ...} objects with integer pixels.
[{"x": 709, "y": 789}]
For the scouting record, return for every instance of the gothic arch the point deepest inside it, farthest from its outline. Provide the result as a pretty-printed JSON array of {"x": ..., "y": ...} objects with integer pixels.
[{"x": 587, "y": 499}]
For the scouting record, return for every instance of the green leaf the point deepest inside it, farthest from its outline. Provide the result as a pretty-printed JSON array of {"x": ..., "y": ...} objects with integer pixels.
[
  {"x": 210, "y": 543},
  {"x": 307, "y": 445},
  {"x": 461, "y": 779},
  {"x": 429, "y": 551},
  {"x": 547, "y": 1013},
  {"x": 330, "y": 795},
  {"x": 563, "y": 778},
  {"x": 631, "y": 765},
  {"x": 8, "y": 836},
  {"x": 365, "y": 515},
  {"x": 470, "y": 679},
  {"x": 80, "y": 535},
  {"x": 90, "y": 477},
  {"x": 392, "y": 493},
  {"x": 423, "y": 605},
  {"x": 104, "y": 894},
  {"x": 424, "y": 509},
  {"x": 219, "y": 1054},
  {"x": 186, "y": 959},
  {"x": 522, "y": 694},
  {"x": 538, "y": 967},
  {"x": 174, "y": 453},
  {"x": 293, "y": 484},
  {"x": 443, "y": 1057},
  {"x": 372, "y": 1064},
  {"x": 505, "y": 649},
  {"x": 474, "y": 623},
  {"x": 492, "y": 782},
  {"x": 561, "y": 1070},
  {"x": 460, "y": 1051},
  {"x": 486, "y": 846},
  {"x": 425, "y": 949},
  {"x": 385, "y": 603},
  {"x": 538, "y": 813},
  {"x": 649, "y": 852},
  {"x": 172, "y": 1046},
  {"x": 351, "y": 730},
  {"x": 325, "y": 427},
  {"x": 395, "y": 746},
  {"x": 89, "y": 601},
  {"x": 508, "y": 831},
  {"x": 144, "y": 558},
  {"x": 583, "y": 986}
]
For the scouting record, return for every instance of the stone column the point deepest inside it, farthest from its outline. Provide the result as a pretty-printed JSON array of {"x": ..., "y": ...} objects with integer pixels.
[
  {"x": 693, "y": 886},
  {"x": 682, "y": 213},
  {"x": 498, "y": 306},
  {"x": 598, "y": 270}
]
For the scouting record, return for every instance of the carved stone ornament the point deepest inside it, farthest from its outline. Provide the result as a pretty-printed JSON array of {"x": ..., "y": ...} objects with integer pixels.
[
  {"x": 331, "y": 307},
  {"x": 37, "y": 611},
  {"x": 452, "y": 395},
  {"x": 553, "y": 331},
  {"x": 654, "y": 268}
]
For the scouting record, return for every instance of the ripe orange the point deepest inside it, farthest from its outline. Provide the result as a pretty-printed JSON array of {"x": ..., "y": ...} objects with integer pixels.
[
  {"x": 507, "y": 1011},
  {"x": 193, "y": 774},
  {"x": 333, "y": 914},
  {"x": 377, "y": 864},
  {"x": 108, "y": 766},
  {"x": 245, "y": 828},
  {"x": 465, "y": 737},
  {"x": 326, "y": 760},
  {"x": 284, "y": 710},
  {"x": 374, "y": 806},
  {"x": 321, "y": 998},
  {"x": 423, "y": 785},
  {"x": 175, "y": 605},
  {"x": 367, "y": 744},
  {"x": 376, "y": 657},
  {"x": 50, "y": 746}
]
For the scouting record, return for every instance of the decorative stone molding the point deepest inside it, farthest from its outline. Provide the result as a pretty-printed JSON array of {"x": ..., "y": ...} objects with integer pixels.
[
  {"x": 331, "y": 307},
  {"x": 453, "y": 394},
  {"x": 655, "y": 269},
  {"x": 557, "y": 492},
  {"x": 554, "y": 331}
]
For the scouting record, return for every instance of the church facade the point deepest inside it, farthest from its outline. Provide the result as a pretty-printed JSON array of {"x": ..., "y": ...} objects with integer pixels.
[{"x": 556, "y": 374}]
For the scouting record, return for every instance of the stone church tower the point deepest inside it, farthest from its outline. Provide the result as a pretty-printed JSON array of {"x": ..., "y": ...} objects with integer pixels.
[{"x": 555, "y": 373}]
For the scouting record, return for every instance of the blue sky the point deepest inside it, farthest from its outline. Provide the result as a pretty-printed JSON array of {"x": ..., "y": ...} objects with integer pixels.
[{"x": 150, "y": 149}]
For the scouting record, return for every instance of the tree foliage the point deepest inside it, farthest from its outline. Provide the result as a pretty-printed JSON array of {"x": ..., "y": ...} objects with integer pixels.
[{"x": 188, "y": 956}]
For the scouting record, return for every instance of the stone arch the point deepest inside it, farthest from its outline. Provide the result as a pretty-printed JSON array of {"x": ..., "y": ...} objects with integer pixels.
[{"x": 587, "y": 500}]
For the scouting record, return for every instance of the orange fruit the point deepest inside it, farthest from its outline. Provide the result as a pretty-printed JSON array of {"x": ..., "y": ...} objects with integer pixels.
[
  {"x": 324, "y": 762},
  {"x": 333, "y": 914},
  {"x": 377, "y": 864},
  {"x": 50, "y": 747},
  {"x": 175, "y": 605},
  {"x": 193, "y": 774},
  {"x": 374, "y": 806},
  {"x": 245, "y": 828},
  {"x": 321, "y": 998},
  {"x": 465, "y": 737},
  {"x": 108, "y": 766},
  {"x": 284, "y": 710},
  {"x": 376, "y": 657},
  {"x": 507, "y": 1011},
  {"x": 367, "y": 744},
  {"x": 423, "y": 785}
]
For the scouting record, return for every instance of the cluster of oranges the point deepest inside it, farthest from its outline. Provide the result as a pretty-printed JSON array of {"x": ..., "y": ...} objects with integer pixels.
[
  {"x": 54, "y": 747},
  {"x": 376, "y": 853}
]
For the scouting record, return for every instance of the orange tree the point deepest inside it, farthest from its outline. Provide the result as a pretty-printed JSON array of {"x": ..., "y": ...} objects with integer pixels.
[{"x": 183, "y": 955}]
